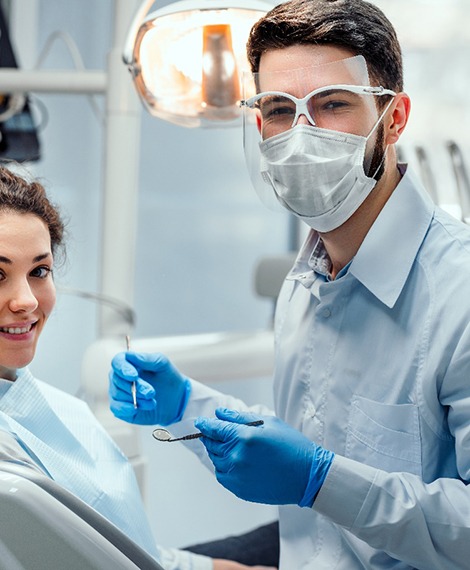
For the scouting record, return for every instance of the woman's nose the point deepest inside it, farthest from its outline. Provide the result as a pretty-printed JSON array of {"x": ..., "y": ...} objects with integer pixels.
[{"x": 22, "y": 298}]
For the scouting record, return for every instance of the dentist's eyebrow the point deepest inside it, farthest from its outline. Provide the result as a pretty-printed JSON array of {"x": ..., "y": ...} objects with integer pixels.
[
  {"x": 328, "y": 92},
  {"x": 333, "y": 91},
  {"x": 275, "y": 97}
]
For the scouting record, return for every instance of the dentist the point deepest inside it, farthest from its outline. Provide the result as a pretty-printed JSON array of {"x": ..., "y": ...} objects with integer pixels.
[{"x": 368, "y": 453}]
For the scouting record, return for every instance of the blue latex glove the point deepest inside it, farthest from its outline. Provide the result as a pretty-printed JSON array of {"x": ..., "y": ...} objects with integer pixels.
[
  {"x": 162, "y": 392},
  {"x": 272, "y": 463}
]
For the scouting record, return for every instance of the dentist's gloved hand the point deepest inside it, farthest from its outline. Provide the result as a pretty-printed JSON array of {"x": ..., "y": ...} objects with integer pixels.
[
  {"x": 272, "y": 463},
  {"x": 162, "y": 392}
]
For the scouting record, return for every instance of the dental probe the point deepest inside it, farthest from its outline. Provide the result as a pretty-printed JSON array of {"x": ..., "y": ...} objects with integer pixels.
[{"x": 133, "y": 387}]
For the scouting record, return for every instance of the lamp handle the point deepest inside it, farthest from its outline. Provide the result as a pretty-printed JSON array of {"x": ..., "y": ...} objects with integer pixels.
[{"x": 132, "y": 33}]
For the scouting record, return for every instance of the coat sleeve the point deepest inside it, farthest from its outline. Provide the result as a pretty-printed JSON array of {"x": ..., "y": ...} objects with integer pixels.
[{"x": 424, "y": 525}]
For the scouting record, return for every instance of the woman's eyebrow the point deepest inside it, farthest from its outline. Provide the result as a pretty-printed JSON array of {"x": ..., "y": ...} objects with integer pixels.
[{"x": 40, "y": 257}]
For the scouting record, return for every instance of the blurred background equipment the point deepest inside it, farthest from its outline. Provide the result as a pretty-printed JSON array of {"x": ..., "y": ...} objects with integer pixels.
[{"x": 18, "y": 136}]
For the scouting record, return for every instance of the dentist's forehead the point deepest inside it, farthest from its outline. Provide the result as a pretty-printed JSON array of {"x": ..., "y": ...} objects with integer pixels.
[{"x": 300, "y": 69}]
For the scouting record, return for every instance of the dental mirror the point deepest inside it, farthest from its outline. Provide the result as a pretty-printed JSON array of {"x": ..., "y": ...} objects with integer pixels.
[{"x": 162, "y": 434}]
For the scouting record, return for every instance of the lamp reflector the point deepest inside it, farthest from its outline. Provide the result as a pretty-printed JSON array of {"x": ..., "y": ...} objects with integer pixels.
[{"x": 187, "y": 64}]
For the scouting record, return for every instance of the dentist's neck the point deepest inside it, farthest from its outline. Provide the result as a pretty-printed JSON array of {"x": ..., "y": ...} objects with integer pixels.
[{"x": 343, "y": 243}]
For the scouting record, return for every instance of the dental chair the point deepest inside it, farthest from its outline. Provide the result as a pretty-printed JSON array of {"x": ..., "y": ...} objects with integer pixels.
[
  {"x": 44, "y": 527},
  {"x": 242, "y": 359}
]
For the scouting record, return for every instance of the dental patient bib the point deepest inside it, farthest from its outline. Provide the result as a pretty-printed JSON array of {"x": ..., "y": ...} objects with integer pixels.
[{"x": 75, "y": 450}]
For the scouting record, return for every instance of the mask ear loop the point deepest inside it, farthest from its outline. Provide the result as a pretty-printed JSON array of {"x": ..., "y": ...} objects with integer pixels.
[{"x": 379, "y": 120}]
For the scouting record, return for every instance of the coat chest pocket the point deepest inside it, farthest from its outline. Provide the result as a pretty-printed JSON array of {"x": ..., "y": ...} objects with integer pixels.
[{"x": 385, "y": 436}]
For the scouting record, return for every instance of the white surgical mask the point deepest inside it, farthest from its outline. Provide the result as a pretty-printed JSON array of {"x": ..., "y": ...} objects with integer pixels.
[{"x": 317, "y": 174}]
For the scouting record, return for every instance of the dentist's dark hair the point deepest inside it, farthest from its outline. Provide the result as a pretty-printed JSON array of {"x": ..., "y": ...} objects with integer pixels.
[
  {"x": 29, "y": 197},
  {"x": 356, "y": 25}
]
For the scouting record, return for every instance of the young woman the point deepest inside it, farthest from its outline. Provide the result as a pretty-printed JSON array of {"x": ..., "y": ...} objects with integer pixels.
[{"x": 56, "y": 432}]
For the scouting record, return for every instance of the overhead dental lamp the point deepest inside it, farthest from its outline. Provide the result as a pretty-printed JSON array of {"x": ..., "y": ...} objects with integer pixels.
[{"x": 186, "y": 59}]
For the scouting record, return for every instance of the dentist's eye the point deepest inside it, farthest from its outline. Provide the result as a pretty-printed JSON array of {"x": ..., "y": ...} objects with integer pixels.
[
  {"x": 277, "y": 107},
  {"x": 332, "y": 105}
]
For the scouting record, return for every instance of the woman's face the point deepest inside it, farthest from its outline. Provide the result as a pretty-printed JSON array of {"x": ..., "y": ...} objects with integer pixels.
[{"x": 27, "y": 291}]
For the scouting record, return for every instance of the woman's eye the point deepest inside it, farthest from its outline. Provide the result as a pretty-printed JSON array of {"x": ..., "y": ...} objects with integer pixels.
[{"x": 42, "y": 272}]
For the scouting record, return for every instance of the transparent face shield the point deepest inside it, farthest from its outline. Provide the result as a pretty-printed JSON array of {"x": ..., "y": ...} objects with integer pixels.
[{"x": 336, "y": 98}]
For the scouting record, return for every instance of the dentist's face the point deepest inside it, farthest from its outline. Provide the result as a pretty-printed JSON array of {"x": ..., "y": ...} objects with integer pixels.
[
  {"x": 27, "y": 291},
  {"x": 301, "y": 69}
]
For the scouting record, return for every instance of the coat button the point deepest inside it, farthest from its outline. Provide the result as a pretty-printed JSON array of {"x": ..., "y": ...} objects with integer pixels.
[{"x": 311, "y": 410}]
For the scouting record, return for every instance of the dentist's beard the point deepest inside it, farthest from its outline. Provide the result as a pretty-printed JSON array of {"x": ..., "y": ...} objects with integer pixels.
[{"x": 377, "y": 163}]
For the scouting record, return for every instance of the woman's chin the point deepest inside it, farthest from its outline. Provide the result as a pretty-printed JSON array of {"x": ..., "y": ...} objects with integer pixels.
[{"x": 8, "y": 368}]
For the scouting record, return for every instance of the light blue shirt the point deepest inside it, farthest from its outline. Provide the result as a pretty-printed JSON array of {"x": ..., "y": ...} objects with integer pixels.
[
  {"x": 375, "y": 366},
  {"x": 63, "y": 437}
]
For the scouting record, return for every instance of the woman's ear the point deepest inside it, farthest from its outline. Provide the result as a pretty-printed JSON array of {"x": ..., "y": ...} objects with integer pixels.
[{"x": 396, "y": 118}]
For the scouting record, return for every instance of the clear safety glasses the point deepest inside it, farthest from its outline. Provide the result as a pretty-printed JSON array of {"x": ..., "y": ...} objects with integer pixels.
[{"x": 340, "y": 108}]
